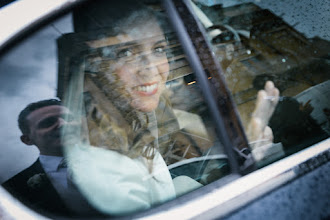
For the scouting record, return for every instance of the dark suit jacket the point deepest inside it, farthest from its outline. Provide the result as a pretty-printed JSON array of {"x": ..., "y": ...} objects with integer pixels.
[{"x": 37, "y": 193}]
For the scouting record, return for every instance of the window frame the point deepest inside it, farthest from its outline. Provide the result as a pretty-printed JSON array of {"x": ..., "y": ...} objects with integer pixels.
[{"x": 223, "y": 193}]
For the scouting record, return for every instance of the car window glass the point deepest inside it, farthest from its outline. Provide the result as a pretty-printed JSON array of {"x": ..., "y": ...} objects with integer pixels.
[
  {"x": 129, "y": 81},
  {"x": 134, "y": 126},
  {"x": 260, "y": 41}
]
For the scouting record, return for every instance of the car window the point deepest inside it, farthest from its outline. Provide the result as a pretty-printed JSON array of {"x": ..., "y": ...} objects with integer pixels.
[
  {"x": 128, "y": 81},
  {"x": 119, "y": 119},
  {"x": 256, "y": 42}
]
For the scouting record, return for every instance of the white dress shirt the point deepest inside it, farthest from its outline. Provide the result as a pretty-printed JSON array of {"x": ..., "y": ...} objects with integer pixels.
[{"x": 58, "y": 176}]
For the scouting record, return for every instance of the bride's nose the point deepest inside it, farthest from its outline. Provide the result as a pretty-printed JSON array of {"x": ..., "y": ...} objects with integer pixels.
[
  {"x": 147, "y": 65},
  {"x": 146, "y": 58}
]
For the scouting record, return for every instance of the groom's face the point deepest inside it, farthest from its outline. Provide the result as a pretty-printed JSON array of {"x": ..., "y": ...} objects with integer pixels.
[{"x": 45, "y": 128}]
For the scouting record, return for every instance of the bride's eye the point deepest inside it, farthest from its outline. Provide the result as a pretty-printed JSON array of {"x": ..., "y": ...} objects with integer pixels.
[
  {"x": 159, "y": 50},
  {"x": 125, "y": 53}
]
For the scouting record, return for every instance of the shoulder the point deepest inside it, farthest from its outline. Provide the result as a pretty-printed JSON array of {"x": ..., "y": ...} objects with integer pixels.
[
  {"x": 131, "y": 182},
  {"x": 24, "y": 175},
  {"x": 33, "y": 188}
]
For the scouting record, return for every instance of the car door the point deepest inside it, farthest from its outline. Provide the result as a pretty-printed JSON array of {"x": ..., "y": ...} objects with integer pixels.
[{"x": 215, "y": 71}]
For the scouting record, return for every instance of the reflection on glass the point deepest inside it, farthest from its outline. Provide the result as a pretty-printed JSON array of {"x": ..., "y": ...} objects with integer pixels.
[
  {"x": 120, "y": 79},
  {"x": 254, "y": 45},
  {"x": 140, "y": 133},
  {"x": 31, "y": 143}
]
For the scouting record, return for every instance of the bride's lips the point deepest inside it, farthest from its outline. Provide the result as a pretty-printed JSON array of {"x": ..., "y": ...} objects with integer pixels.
[{"x": 146, "y": 89}]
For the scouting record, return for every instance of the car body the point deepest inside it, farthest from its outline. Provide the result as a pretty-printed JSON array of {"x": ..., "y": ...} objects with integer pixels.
[{"x": 293, "y": 184}]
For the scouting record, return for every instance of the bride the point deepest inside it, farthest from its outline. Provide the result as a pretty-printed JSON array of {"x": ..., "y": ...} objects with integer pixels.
[{"x": 118, "y": 166}]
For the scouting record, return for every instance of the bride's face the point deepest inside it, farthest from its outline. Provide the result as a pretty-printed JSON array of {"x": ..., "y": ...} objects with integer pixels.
[{"x": 140, "y": 63}]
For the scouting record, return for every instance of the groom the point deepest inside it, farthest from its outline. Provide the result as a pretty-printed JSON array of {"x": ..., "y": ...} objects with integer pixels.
[{"x": 43, "y": 186}]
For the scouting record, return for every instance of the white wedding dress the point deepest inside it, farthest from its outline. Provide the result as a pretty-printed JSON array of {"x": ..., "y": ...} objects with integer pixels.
[{"x": 116, "y": 184}]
